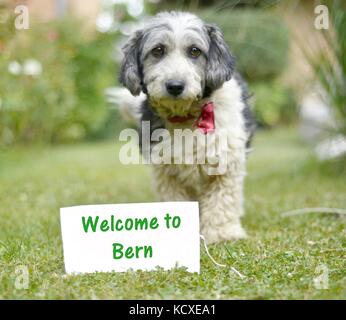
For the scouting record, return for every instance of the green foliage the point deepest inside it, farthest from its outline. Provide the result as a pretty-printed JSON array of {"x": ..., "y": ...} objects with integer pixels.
[
  {"x": 64, "y": 101},
  {"x": 329, "y": 64},
  {"x": 258, "y": 40},
  {"x": 273, "y": 104},
  {"x": 260, "y": 43}
]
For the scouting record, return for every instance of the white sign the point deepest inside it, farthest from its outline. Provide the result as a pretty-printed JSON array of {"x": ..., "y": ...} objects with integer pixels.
[{"x": 119, "y": 237}]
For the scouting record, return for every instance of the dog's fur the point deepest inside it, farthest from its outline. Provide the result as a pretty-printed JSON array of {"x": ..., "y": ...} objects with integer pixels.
[{"x": 209, "y": 77}]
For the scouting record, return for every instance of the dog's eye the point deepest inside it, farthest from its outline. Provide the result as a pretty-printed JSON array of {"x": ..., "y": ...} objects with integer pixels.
[
  {"x": 158, "y": 51},
  {"x": 194, "y": 52}
]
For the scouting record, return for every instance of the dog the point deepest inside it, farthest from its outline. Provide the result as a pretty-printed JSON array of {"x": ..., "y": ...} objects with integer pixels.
[{"x": 181, "y": 75}]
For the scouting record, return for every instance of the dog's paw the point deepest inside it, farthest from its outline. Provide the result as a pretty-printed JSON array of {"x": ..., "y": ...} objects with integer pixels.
[{"x": 224, "y": 233}]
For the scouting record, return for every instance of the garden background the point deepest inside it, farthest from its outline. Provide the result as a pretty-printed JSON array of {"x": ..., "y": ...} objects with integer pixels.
[{"x": 59, "y": 147}]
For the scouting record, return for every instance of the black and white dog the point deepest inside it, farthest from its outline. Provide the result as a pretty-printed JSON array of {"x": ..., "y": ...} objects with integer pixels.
[{"x": 182, "y": 75}]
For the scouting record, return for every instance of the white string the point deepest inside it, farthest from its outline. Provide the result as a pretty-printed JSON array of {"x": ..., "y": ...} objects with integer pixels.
[
  {"x": 216, "y": 263},
  {"x": 211, "y": 258}
]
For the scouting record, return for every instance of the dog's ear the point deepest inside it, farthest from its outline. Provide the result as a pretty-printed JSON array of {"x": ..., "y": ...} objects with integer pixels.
[
  {"x": 220, "y": 65},
  {"x": 130, "y": 71}
]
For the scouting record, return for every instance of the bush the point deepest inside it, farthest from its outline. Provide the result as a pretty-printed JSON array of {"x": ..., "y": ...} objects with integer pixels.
[
  {"x": 260, "y": 43},
  {"x": 258, "y": 40},
  {"x": 329, "y": 63},
  {"x": 52, "y": 83},
  {"x": 273, "y": 104}
]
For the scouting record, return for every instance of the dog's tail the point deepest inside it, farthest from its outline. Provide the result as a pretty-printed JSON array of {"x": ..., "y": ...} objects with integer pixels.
[{"x": 128, "y": 105}]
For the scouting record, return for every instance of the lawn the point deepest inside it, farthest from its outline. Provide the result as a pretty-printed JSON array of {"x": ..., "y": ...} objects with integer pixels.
[{"x": 280, "y": 259}]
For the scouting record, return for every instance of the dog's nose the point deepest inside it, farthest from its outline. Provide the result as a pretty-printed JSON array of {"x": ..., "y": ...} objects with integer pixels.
[{"x": 175, "y": 87}]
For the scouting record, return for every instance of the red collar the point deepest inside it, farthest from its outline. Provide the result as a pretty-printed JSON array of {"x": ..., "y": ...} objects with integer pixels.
[{"x": 205, "y": 121}]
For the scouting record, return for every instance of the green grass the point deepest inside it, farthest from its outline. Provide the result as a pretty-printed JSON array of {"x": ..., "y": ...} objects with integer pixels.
[{"x": 279, "y": 258}]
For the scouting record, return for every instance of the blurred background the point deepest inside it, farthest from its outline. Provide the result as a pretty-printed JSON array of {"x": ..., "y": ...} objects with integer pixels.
[{"x": 54, "y": 74}]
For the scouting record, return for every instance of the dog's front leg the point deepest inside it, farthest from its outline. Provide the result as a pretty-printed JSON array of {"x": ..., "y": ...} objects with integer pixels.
[
  {"x": 221, "y": 206},
  {"x": 167, "y": 187}
]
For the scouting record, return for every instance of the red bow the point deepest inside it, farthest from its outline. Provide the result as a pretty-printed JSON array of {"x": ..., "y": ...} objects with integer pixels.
[{"x": 206, "y": 120}]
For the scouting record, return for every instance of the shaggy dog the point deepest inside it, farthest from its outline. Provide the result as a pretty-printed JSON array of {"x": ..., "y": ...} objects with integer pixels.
[{"x": 183, "y": 74}]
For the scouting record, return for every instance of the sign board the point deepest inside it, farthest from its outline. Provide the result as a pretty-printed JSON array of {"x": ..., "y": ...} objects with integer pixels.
[{"x": 137, "y": 236}]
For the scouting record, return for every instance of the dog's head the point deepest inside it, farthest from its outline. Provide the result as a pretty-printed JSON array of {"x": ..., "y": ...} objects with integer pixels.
[{"x": 176, "y": 59}]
